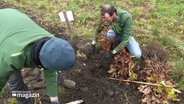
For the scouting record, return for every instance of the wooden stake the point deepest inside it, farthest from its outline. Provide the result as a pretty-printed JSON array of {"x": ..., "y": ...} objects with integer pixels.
[{"x": 67, "y": 22}]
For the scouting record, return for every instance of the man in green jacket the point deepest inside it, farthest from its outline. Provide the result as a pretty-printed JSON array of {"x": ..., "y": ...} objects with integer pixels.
[
  {"x": 121, "y": 30},
  {"x": 23, "y": 43}
]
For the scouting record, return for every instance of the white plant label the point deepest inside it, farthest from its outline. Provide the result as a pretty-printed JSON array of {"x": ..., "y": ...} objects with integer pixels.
[{"x": 69, "y": 15}]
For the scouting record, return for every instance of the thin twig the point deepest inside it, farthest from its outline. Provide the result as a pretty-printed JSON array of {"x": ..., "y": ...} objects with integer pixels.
[{"x": 145, "y": 83}]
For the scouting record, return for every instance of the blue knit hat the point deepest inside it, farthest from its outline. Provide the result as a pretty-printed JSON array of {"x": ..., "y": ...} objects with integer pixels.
[{"x": 57, "y": 54}]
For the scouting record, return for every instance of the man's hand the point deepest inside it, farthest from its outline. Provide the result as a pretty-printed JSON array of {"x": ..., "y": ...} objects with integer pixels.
[
  {"x": 54, "y": 100},
  {"x": 109, "y": 55},
  {"x": 57, "y": 102}
]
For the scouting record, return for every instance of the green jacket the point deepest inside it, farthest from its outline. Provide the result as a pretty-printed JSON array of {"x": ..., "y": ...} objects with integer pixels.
[
  {"x": 17, "y": 34},
  {"x": 122, "y": 26}
]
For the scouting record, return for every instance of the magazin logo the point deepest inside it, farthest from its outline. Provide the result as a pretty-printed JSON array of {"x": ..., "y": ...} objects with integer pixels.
[{"x": 25, "y": 94}]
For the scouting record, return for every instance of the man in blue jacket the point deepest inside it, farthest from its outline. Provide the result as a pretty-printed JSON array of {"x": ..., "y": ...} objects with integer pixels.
[{"x": 23, "y": 43}]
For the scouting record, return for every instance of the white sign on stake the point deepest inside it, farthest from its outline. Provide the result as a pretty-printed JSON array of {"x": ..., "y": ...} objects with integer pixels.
[{"x": 69, "y": 15}]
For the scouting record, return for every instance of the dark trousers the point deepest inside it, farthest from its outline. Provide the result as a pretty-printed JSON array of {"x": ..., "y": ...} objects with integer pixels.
[{"x": 16, "y": 83}]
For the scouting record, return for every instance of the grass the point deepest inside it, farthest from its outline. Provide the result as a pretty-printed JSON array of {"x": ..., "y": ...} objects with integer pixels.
[
  {"x": 178, "y": 73},
  {"x": 160, "y": 21}
]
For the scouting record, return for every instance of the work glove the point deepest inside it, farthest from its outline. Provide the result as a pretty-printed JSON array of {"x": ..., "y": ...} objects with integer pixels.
[
  {"x": 109, "y": 55},
  {"x": 93, "y": 48}
]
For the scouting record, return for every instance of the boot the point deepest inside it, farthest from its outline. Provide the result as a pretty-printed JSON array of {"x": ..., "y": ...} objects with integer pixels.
[
  {"x": 68, "y": 84},
  {"x": 65, "y": 83}
]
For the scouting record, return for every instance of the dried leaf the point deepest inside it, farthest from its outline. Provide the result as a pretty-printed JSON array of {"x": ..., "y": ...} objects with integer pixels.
[{"x": 112, "y": 70}]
